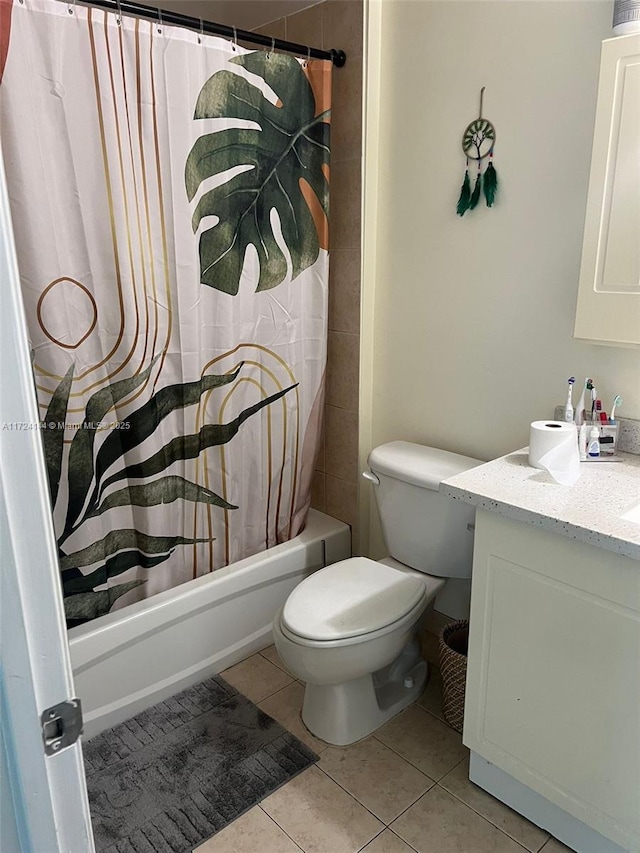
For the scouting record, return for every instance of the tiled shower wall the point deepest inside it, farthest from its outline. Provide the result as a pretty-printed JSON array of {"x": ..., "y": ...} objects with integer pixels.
[{"x": 338, "y": 24}]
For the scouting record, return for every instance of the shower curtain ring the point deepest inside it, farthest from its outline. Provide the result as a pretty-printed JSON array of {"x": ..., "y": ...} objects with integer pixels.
[
  {"x": 119, "y": 14},
  {"x": 235, "y": 38},
  {"x": 201, "y": 33},
  {"x": 160, "y": 21},
  {"x": 71, "y": 7},
  {"x": 308, "y": 57},
  {"x": 272, "y": 48}
]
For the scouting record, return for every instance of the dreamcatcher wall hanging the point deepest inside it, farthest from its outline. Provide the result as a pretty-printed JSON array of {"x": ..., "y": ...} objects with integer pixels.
[{"x": 478, "y": 142}]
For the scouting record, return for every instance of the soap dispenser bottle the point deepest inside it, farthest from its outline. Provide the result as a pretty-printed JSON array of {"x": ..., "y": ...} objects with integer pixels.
[{"x": 593, "y": 450}]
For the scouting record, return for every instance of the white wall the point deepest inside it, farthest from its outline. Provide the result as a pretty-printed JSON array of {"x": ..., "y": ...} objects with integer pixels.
[
  {"x": 245, "y": 15},
  {"x": 470, "y": 319},
  {"x": 467, "y": 322}
]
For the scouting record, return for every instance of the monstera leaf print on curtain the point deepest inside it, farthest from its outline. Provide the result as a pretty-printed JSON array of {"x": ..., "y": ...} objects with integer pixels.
[
  {"x": 169, "y": 202},
  {"x": 288, "y": 152}
]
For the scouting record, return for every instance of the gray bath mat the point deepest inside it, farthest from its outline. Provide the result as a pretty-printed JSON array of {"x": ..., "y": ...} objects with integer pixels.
[{"x": 170, "y": 777}]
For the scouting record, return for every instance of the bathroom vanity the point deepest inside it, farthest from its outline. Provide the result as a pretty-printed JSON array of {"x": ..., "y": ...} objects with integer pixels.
[{"x": 552, "y": 709}]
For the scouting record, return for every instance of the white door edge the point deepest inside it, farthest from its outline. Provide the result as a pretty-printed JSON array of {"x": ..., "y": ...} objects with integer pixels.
[{"x": 48, "y": 792}]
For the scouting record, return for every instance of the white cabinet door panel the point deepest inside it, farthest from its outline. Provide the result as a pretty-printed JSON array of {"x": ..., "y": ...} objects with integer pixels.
[
  {"x": 608, "y": 308},
  {"x": 553, "y": 684},
  {"x": 559, "y": 698}
]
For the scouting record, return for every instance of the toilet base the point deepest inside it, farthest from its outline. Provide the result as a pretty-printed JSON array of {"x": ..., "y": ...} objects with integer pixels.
[{"x": 341, "y": 714}]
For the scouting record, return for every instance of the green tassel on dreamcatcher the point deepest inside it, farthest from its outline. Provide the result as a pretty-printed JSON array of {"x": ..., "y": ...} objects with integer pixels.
[
  {"x": 475, "y": 195},
  {"x": 478, "y": 142},
  {"x": 490, "y": 182},
  {"x": 465, "y": 194}
]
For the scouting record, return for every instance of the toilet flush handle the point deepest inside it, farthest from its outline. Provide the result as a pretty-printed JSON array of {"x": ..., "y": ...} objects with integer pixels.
[{"x": 371, "y": 477}]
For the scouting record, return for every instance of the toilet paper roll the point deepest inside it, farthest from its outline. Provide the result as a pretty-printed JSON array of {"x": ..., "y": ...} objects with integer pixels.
[{"x": 553, "y": 447}]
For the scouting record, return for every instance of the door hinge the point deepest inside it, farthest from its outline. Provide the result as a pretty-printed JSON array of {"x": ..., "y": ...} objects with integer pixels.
[{"x": 61, "y": 725}]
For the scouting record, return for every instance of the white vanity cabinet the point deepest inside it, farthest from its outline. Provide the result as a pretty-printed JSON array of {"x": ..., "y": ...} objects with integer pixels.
[
  {"x": 608, "y": 308},
  {"x": 552, "y": 712}
]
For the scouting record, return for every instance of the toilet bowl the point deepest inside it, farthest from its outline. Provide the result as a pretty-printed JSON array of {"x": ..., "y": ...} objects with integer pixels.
[
  {"x": 350, "y": 630},
  {"x": 362, "y": 663}
]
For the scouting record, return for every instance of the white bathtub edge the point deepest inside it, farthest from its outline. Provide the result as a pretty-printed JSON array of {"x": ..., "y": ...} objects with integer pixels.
[
  {"x": 110, "y": 715},
  {"x": 138, "y": 656}
]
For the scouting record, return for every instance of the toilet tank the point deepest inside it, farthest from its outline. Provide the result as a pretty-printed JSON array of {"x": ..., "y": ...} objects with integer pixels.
[{"x": 423, "y": 528}]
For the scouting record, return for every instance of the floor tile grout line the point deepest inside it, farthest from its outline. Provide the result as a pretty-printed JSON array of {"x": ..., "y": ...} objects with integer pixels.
[
  {"x": 546, "y": 841},
  {"x": 371, "y": 840},
  {"x": 455, "y": 766},
  {"x": 402, "y": 758},
  {"x": 265, "y": 658},
  {"x": 281, "y": 668},
  {"x": 257, "y": 702},
  {"x": 374, "y": 735},
  {"x": 410, "y": 846},
  {"x": 412, "y": 766},
  {"x": 317, "y": 749},
  {"x": 415, "y": 766},
  {"x": 504, "y": 832},
  {"x": 453, "y": 794},
  {"x": 435, "y": 784},
  {"x": 431, "y": 714},
  {"x": 353, "y": 797},
  {"x": 268, "y": 695},
  {"x": 486, "y": 819},
  {"x": 349, "y": 794},
  {"x": 497, "y": 828},
  {"x": 274, "y": 692},
  {"x": 264, "y": 811},
  {"x": 286, "y": 687}
]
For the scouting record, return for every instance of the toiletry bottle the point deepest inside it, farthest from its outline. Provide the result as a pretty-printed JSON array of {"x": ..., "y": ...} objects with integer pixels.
[
  {"x": 594, "y": 442},
  {"x": 582, "y": 440}
]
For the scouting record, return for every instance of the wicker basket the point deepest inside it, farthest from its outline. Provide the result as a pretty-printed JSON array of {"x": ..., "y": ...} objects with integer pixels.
[{"x": 453, "y": 643}]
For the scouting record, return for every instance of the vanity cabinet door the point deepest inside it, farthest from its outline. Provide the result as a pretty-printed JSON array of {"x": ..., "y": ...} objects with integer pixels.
[
  {"x": 608, "y": 307},
  {"x": 553, "y": 678}
]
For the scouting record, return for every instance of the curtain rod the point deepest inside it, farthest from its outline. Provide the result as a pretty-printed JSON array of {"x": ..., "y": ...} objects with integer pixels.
[{"x": 338, "y": 57}]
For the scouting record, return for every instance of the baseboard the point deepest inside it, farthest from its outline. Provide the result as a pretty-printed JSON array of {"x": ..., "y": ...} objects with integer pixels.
[{"x": 540, "y": 811}]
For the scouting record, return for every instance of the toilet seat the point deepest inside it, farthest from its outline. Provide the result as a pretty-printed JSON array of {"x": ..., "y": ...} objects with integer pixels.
[
  {"x": 350, "y": 599},
  {"x": 408, "y": 619}
]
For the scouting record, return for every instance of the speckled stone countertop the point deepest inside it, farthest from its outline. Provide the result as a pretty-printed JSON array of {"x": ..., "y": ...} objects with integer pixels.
[{"x": 589, "y": 511}]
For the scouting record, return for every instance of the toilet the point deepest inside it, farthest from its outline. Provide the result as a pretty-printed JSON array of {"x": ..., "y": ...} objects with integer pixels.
[{"x": 350, "y": 630}]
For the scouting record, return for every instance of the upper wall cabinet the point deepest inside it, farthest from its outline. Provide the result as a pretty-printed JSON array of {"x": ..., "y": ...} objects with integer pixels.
[{"x": 609, "y": 293}]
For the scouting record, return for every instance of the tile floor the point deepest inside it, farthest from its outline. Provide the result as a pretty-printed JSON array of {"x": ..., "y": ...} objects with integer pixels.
[{"x": 403, "y": 790}]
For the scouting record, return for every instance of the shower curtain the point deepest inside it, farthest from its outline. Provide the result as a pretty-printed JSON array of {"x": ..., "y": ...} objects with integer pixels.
[{"x": 169, "y": 197}]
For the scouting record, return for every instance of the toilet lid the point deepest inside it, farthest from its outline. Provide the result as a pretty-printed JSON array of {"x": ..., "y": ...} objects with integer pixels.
[{"x": 350, "y": 598}]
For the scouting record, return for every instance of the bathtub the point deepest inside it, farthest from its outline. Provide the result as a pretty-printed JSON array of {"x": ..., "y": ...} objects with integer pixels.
[{"x": 130, "y": 659}]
